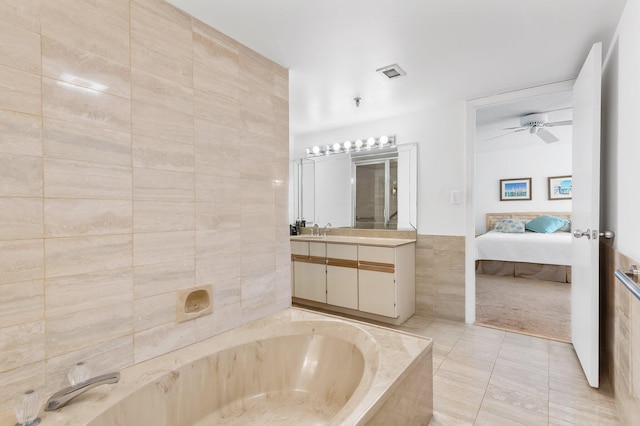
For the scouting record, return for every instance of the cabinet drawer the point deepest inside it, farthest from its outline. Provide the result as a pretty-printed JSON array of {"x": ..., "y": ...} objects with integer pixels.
[
  {"x": 300, "y": 247},
  {"x": 377, "y": 254},
  {"x": 342, "y": 251},
  {"x": 317, "y": 249}
]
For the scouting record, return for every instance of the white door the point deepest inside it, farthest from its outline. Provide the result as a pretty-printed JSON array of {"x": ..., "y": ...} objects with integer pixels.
[{"x": 585, "y": 214}]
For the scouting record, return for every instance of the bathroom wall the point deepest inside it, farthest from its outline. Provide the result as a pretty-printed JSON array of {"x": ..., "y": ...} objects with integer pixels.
[
  {"x": 620, "y": 322},
  {"x": 440, "y": 277},
  {"x": 439, "y": 133},
  {"x": 141, "y": 152},
  {"x": 620, "y": 311}
]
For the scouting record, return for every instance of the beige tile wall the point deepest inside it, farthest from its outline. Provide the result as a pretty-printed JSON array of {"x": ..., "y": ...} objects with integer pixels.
[
  {"x": 440, "y": 276},
  {"x": 620, "y": 334},
  {"x": 141, "y": 152}
]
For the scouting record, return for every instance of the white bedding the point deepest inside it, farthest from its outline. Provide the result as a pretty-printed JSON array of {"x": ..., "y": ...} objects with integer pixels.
[{"x": 531, "y": 247}]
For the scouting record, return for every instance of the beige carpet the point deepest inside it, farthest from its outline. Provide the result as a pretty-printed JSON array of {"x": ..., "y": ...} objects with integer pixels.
[{"x": 538, "y": 308}]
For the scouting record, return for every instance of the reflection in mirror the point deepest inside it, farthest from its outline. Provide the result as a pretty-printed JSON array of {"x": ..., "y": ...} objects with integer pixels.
[
  {"x": 376, "y": 187},
  {"x": 328, "y": 189}
]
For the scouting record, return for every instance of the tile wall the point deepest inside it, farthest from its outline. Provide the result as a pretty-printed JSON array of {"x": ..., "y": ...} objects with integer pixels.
[
  {"x": 620, "y": 334},
  {"x": 440, "y": 276},
  {"x": 141, "y": 152}
]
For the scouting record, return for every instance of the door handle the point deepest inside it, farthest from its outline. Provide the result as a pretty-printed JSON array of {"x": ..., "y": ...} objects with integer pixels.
[
  {"x": 593, "y": 234},
  {"x": 608, "y": 234},
  {"x": 579, "y": 234}
]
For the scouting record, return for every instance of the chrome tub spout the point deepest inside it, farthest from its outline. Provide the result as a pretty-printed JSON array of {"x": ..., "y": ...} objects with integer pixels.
[{"x": 62, "y": 397}]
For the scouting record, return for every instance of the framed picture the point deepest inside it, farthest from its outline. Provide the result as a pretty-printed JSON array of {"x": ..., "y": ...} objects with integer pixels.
[
  {"x": 515, "y": 189},
  {"x": 560, "y": 188}
]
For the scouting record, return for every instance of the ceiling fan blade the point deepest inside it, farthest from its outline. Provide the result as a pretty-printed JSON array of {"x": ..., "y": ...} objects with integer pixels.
[
  {"x": 514, "y": 128},
  {"x": 559, "y": 123},
  {"x": 546, "y": 136},
  {"x": 505, "y": 134}
]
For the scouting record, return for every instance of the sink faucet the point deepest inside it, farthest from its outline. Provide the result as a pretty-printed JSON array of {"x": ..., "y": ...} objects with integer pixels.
[
  {"x": 324, "y": 230},
  {"x": 62, "y": 397},
  {"x": 315, "y": 230}
]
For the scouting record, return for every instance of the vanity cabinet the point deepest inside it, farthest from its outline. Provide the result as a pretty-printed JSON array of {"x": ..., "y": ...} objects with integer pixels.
[{"x": 372, "y": 279}]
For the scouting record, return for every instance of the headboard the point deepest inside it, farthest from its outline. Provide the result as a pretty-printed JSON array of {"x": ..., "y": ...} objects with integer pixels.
[{"x": 493, "y": 218}]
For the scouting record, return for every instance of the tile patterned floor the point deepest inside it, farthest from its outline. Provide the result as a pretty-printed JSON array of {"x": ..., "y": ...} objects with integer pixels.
[{"x": 484, "y": 376}]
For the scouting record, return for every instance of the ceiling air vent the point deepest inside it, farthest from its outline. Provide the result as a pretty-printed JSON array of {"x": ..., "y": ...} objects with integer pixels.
[{"x": 391, "y": 71}]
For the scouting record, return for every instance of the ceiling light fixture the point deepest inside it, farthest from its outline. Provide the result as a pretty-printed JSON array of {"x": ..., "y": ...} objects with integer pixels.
[{"x": 352, "y": 146}]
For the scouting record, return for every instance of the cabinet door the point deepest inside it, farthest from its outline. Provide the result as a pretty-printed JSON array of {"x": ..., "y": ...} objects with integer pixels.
[
  {"x": 342, "y": 286},
  {"x": 377, "y": 293},
  {"x": 310, "y": 281}
]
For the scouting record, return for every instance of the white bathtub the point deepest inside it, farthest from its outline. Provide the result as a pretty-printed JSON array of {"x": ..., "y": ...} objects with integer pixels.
[{"x": 294, "y": 367}]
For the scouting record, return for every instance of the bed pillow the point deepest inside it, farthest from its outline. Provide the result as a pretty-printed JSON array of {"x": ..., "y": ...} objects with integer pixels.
[
  {"x": 546, "y": 224},
  {"x": 511, "y": 226},
  {"x": 566, "y": 227}
]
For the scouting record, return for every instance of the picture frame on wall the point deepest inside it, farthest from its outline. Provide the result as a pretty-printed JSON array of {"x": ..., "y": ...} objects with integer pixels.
[
  {"x": 515, "y": 189},
  {"x": 560, "y": 187}
]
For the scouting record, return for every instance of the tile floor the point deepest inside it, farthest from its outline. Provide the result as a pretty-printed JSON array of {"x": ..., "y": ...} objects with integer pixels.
[{"x": 484, "y": 376}]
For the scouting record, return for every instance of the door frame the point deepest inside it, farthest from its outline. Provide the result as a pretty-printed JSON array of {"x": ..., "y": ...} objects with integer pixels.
[{"x": 470, "y": 166}]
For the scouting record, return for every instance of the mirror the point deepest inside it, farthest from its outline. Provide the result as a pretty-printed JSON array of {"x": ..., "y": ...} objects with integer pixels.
[
  {"x": 370, "y": 189},
  {"x": 376, "y": 194}
]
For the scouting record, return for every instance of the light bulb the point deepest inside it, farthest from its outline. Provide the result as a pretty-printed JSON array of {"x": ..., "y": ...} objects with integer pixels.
[
  {"x": 347, "y": 145},
  {"x": 383, "y": 140},
  {"x": 371, "y": 141},
  {"x": 316, "y": 149},
  {"x": 358, "y": 143},
  {"x": 336, "y": 147}
]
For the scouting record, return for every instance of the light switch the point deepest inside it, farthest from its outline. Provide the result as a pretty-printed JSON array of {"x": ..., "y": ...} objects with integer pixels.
[{"x": 455, "y": 197}]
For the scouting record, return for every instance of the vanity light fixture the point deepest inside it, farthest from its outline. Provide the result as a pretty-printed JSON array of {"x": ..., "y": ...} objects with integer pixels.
[{"x": 352, "y": 146}]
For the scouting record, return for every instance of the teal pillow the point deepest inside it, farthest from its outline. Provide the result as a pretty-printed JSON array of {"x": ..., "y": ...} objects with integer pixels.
[
  {"x": 511, "y": 226},
  {"x": 546, "y": 224}
]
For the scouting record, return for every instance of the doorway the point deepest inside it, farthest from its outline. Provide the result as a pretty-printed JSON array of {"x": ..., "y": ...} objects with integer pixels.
[{"x": 475, "y": 197}]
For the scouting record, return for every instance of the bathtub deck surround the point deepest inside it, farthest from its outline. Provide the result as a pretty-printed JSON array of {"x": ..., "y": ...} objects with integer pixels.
[{"x": 293, "y": 367}]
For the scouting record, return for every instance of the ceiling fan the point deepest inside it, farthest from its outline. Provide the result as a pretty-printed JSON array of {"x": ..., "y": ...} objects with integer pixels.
[{"x": 536, "y": 124}]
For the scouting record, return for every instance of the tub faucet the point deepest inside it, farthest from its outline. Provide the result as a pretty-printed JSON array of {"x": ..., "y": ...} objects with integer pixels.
[
  {"x": 324, "y": 230},
  {"x": 62, "y": 397},
  {"x": 315, "y": 230}
]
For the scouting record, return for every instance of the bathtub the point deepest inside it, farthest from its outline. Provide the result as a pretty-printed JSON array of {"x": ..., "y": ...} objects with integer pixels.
[{"x": 293, "y": 367}]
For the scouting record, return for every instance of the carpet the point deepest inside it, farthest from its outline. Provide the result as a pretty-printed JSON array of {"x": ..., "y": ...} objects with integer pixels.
[{"x": 528, "y": 306}]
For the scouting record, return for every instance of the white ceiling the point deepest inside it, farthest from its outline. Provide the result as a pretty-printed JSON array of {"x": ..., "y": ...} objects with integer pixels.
[{"x": 450, "y": 49}]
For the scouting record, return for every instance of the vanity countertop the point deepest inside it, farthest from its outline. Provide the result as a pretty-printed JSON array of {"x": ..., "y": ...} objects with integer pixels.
[{"x": 363, "y": 241}]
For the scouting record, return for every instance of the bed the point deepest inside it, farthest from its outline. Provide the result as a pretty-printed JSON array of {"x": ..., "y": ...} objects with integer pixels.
[{"x": 545, "y": 256}]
